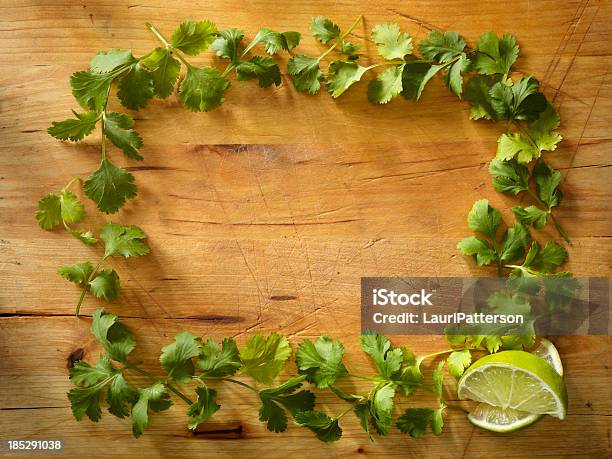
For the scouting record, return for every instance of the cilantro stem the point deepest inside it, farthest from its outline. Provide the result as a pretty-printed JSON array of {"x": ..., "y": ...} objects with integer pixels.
[
  {"x": 240, "y": 383},
  {"x": 131, "y": 366},
  {"x": 167, "y": 44},
  {"x": 87, "y": 281},
  {"x": 435, "y": 354},
  {"x": 341, "y": 38},
  {"x": 366, "y": 377},
  {"x": 552, "y": 217},
  {"x": 345, "y": 412},
  {"x": 228, "y": 69}
]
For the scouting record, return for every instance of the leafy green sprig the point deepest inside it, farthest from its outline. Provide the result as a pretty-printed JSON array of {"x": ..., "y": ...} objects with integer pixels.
[
  {"x": 118, "y": 240},
  {"x": 195, "y": 364}
]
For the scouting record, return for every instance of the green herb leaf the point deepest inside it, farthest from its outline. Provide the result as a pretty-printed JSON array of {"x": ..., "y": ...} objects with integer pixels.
[
  {"x": 521, "y": 101},
  {"x": 484, "y": 219},
  {"x": 479, "y": 249},
  {"x": 273, "y": 41},
  {"x": 305, "y": 73},
  {"x": 127, "y": 241},
  {"x": 530, "y": 216},
  {"x": 264, "y": 357},
  {"x": 441, "y": 46},
  {"x": 326, "y": 428},
  {"x": 516, "y": 145},
  {"x": 494, "y": 55},
  {"x": 391, "y": 42},
  {"x": 203, "y": 89},
  {"x": 120, "y": 396},
  {"x": 136, "y": 87},
  {"x": 342, "y": 75},
  {"x": 323, "y": 29},
  {"x": 194, "y": 37},
  {"x": 84, "y": 374},
  {"x": 155, "y": 398},
  {"x": 74, "y": 129},
  {"x": 546, "y": 259},
  {"x": 78, "y": 273},
  {"x": 453, "y": 78},
  {"x": 387, "y": 360},
  {"x": 215, "y": 363},
  {"x": 114, "y": 337},
  {"x": 176, "y": 358},
  {"x": 107, "y": 61},
  {"x": 458, "y": 361},
  {"x": 542, "y": 130},
  {"x": 386, "y": 85},
  {"x": 477, "y": 93},
  {"x": 415, "y": 76},
  {"x": 91, "y": 89},
  {"x": 72, "y": 208},
  {"x": 275, "y": 400},
  {"x": 164, "y": 70},
  {"x": 204, "y": 407},
  {"x": 109, "y": 187},
  {"x": 547, "y": 182},
  {"x": 514, "y": 242},
  {"x": 229, "y": 44},
  {"x": 262, "y": 68},
  {"x": 381, "y": 408},
  {"x": 49, "y": 213},
  {"x": 321, "y": 361},
  {"x": 414, "y": 421},
  {"x": 118, "y": 129},
  {"x": 509, "y": 176},
  {"x": 106, "y": 285}
]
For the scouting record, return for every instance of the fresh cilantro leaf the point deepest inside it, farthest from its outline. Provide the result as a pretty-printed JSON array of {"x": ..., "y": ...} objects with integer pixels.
[
  {"x": 109, "y": 187},
  {"x": 504, "y": 302},
  {"x": 477, "y": 93},
  {"x": 321, "y": 361},
  {"x": 410, "y": 376},
  {"x": 326, "y": 428},
  {"x": 560, "y": 289},
  {"x": 73, "y": 210},
  {"x": 264, "y": 357},
  {"x": 176, "y": 358},
  {"x": 515, "y": 239},
  {"x": 342, "y": 75},
  {"x": 228, "y": 44},
  {"x": 84, "y": 374},
  {"x": 388, "y": 361},
  {"x": 495, "y": 55},
  {"x": 86, "y": 237},
  {"x": 516, "y": 145},
  {"x": 106, "y": 285},
  {"x": 164, "y": 70},
  {"x": 391, "y": 42},
  {"x": 214, "y": 363},
  {"x": 414, "y": 421},
  {"x": 74, "y": 129},
  {"x": 273, "y": 41},
  {"x": 155, "y": 398},
  {"x": 323, "y": 29},
  {"x": 484, "y": 219},
  {"x": 194, "y": 37},
  {"x": 90, "y": 381},
  {"x": 203, "y": 89},
  {"x": 441, "y": 46},
  {"x": 542, "y": 130},
  {"x": 547, "y": 182},
  {"x": 49, "y": 213},
  {"x": 262, "y": 68},
  {"x": 114, "y": 337},
  {"x": 438, "y": 378},
  {"x": 479, "y": 249},
  {"x": 120, "y": 396},
  {"x": 521, "y": 101},
  {"x": 204, "y": 407},
  {"x": 118, "y": 129},
  {"x": 350, "y": 50},
  {"x": 381, "y": 408},
  {"x": 545, "y": 259},
  {"x": 107, "y": 61},
  {"x": 306, "y": 73},
  {"x": 386, "y": 85},
  {"x": 530, "y": 216},
  {"x": 91, "y": 89},
  {"x": 136, "y": 87},
  {"x": 509, "y": 176},
  {"x": 78, "y": 273},
  {"x": 453, "y": 77},
  {"x": 127, "y": 241},
  {"x": 415, "y": 76},
  {"x": 275, "y": 400},
  {"x": 458, "y": 361}
]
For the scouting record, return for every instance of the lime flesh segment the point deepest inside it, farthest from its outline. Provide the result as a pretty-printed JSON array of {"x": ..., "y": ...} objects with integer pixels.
[
  {"x": 517, "y": 380},
  {"x": 497, "y": 419},
  {"x": 548, "y": 352}
]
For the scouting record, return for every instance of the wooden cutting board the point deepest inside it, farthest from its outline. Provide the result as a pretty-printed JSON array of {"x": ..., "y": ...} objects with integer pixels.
[{"x": 263, "y": 215}]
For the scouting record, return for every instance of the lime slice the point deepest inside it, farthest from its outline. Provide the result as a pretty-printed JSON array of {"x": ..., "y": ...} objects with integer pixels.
[
  {"x": 497, "y": 419},
  {"x": 548, "y": 352},
  {"x": 517, "y": 381}
]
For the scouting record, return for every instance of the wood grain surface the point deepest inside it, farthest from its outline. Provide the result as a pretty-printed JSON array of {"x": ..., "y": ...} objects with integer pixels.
[{"x": 265, "y": 213}]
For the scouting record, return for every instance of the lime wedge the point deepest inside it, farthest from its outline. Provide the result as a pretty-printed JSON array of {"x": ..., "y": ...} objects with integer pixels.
[
  {"x": 548, "y": 352},
  {"x": 514, "y": 382}
]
